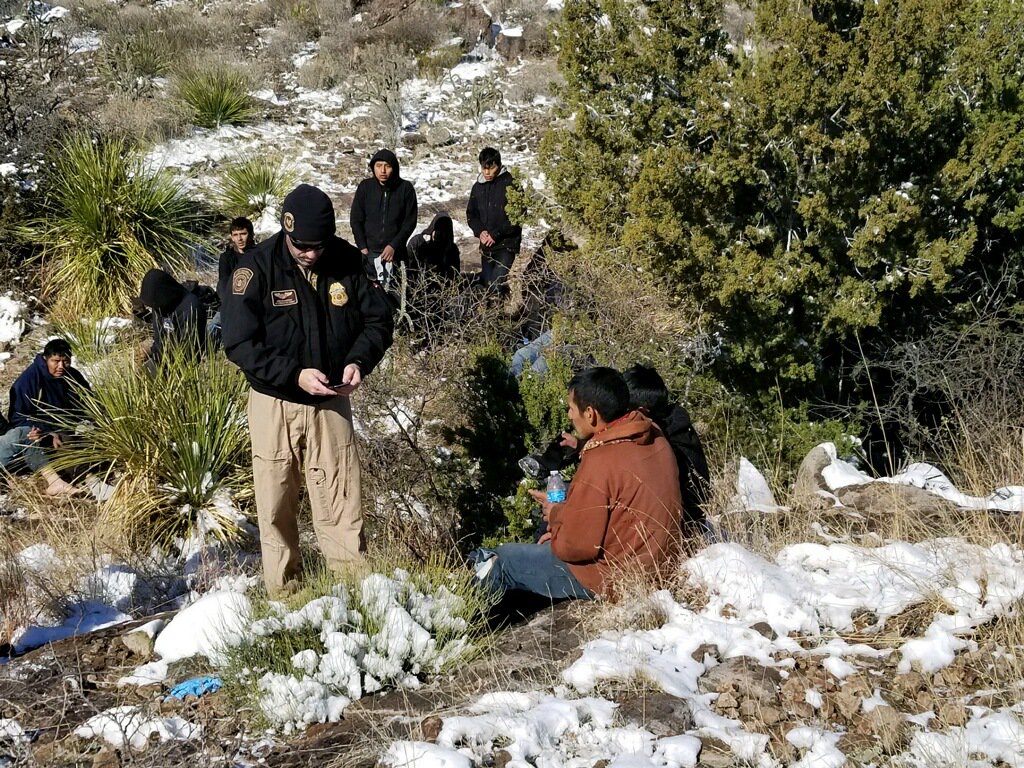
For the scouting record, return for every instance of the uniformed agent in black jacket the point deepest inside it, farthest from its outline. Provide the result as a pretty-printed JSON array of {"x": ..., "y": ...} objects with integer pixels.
[
  {"x": 306, "y": 325},
  {"x": 499, "y": 238},
  {"x": 383, "y": 216}
]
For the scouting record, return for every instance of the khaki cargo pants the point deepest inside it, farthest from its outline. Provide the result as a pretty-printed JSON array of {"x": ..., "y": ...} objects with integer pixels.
[{"x": 288, "y": 438}]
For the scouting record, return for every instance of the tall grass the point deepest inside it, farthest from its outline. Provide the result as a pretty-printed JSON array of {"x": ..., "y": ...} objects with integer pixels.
[
  {"x": 217, "y": 95},
  {"x": 252, "y": 185},
  {"x": 105, "y": 221},
  {"x": 168, "y": 443}
]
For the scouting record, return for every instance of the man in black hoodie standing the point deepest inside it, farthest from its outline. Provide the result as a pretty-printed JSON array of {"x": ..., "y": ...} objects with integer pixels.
[
  {"x": 499, "y": 238},
  {"x": 383, "y": 216},
  {"x": 306, "y": 326}
]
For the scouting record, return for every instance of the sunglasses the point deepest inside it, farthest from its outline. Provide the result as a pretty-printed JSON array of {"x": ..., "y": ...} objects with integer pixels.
[{"x": 301, "y": 245}]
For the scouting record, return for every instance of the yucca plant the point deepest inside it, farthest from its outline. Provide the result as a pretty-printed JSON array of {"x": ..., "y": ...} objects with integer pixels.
[
  {"x": 105, "y": 221},
  {"x": 217, "y": 94},
  {"x": 169, "y": 443},
  {"x": 252, "y": 185}
]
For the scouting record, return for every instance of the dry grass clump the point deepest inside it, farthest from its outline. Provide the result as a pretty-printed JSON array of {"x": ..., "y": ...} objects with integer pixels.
[{"x": 141, "y": 121}]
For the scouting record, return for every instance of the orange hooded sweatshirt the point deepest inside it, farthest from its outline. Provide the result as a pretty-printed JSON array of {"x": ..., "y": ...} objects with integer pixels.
[{"x": 623, "y": 507}]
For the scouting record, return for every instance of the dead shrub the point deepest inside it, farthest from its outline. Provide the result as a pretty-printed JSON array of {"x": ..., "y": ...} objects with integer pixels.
[{"x": 141, "y": 121}]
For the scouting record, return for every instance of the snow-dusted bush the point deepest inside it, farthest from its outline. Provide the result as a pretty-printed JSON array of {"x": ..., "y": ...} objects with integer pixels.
[
  {"x": 251, "y": 185},
  {"x": 304, "y": 665},
  {"x": 217, "y": 95}
]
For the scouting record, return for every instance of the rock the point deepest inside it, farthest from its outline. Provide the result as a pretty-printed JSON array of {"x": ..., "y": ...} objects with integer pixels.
[
  {"x": 809, "y": 480},
  {"x": 413, "y": 139},
  {"x": 714, "y": 753},
  {"x": 106, "y": 758},
  {"x": 924, "y": 702},
  {"x": 888, "y": 726},
  {"x": 430, "y": 727},
  {"x": 860, "y": 748},
  {"x": 746, "y": 676},
  {"x": 879, "y": 499},
  {"x": 848, "y": 703},
  {"x": 660, "y": 713},
  {"x": 502, "y": 758},
  {"x": 764, "y": 629},
  {"x": 139, "y": 643},
  {"x": 726, "y": 701},
  {"x": 510, "y": 47},
  {"x": 702, "y": 650},
  {"x": 952, "y": 713},
  {"x": 439, "y": 136},
  {"x": 602, "y": 763}
]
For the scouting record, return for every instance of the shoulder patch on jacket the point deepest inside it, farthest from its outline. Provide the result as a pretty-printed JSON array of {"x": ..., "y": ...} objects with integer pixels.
[
  {"x": 286, "y": 298},
  {"x": 240, "y": 280}
]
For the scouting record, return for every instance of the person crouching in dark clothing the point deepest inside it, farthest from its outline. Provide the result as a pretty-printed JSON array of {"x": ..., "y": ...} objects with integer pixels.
[
  {"x": 433, "y": 251},
  {"x": 647, "y": 390},
  {"x": 178, "y": 314}
]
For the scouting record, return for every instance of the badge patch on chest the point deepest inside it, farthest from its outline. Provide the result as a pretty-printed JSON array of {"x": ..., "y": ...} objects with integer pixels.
[
  {"x": 339, "y": 296},
  {"x": 284, "y": 298},
  {"x": 240, "y": 280}
]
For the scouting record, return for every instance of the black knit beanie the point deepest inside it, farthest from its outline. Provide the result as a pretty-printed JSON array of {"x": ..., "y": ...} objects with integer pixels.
[
  {"x": 307, "y": 214},
  {"x": 160, "y": 291}
]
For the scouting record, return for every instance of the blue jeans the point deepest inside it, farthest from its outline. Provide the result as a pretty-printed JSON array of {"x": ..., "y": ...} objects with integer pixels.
[
  {"x": 529, "y": 567},
  {"x": 531, "y": 354},
  {"x": 14, "y": 445}
]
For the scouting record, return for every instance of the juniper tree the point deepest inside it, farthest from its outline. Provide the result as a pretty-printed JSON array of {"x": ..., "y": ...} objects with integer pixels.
[{"x": 849, "y": 179}]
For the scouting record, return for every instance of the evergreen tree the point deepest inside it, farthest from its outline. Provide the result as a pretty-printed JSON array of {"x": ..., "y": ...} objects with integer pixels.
[{"x": 849, "y": 179}]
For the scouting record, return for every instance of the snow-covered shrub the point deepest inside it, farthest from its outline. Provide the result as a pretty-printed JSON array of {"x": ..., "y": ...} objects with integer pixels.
[{"x": 304, "y": 665}]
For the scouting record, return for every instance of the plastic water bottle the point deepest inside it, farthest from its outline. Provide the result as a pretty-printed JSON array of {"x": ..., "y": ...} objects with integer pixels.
[{"x": 556, "y": 487}]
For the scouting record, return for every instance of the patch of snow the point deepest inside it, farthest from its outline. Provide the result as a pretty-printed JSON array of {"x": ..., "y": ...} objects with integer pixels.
[
  {"x": 208, "y": 626},
  {"x": 8, "y": 169},
  {"x": 412, "y": 754},
  {"x": 999, "y": 736},
  {"x": 82, "y": 618},
  {"x": 153, "y": 673},
  {"x": 12, "y": 319},
  {"x": 39, "y": 558},
  {"x": 11, "y": 730},
  {"x": 129, "y": 726}
]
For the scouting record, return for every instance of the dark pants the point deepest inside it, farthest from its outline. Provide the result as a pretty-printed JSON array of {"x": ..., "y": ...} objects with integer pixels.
[
  {"x": 495, "y": 266},
  {"x": 531, "y": 568}
]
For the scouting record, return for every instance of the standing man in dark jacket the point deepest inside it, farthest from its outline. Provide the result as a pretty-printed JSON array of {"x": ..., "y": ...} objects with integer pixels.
[
  {"x": 499, "y": 238},
  {"x": 306, "y": 325},
  {"x": 383, "y": 216},
  {"x": 242, "y": 239},
  {"x": 177, "y": 313}
]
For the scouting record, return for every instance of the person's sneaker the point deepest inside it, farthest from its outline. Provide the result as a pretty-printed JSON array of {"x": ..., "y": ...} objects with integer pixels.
[{"x": 61, "y": 488}]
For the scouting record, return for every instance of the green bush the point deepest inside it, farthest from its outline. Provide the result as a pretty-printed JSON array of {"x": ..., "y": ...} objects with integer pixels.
[
  {"x": 250, "y": 186},
  {"x": 217, "y": 95},
  {"x": 433, "y": 64},
  {"x": 105, "y": 220},
  {"x": 171, "y": 441},
  {"x": 854, "y": 178}
]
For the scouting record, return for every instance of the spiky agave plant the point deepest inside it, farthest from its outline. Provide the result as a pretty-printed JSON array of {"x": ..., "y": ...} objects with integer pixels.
[
  {"x": 217, "y": 94},
  {"x": 168, "y": 442},
  {"x": 251, "y": 185},
  {"x": 106, "y": 220}
]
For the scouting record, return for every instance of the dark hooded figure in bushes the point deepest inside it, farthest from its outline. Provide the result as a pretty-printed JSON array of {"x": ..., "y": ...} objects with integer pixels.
[
  {"x": 305, "y": 324},
  {"x": 499, "y": 237},
  {"x": 433, "y": 251},
  {"x": 383, "y": 217},
  {"x": 177, "y": 314}
]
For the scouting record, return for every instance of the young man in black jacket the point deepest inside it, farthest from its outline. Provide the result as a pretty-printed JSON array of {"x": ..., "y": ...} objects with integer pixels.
[
  {"x": 499, "y": 238},
  {"x": 177, "y": 314},
  {"x": 383, "y": 216},
  {"x": 306, "y": 325},
  {"x": 242, "y": 239}
]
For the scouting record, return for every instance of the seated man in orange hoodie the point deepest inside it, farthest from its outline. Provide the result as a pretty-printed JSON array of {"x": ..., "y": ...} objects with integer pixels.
[{"x": 622, "y": 510}]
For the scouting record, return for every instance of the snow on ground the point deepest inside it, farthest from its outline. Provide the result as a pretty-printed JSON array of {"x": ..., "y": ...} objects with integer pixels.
[
  {"x": 131, "y": 727},
  {"x": 12, "y": 320},
  {"x": 807, "y": 594}
]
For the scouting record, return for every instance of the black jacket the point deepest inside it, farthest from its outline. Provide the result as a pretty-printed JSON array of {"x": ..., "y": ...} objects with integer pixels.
[
  {"x": 694, "y": 481},
  {"x": 37, "y": 390},
  {"x": 385, "y": 214},
  {"x": 226, "y": 268},
  {"x": 177, "y": 313},
  {"x": 438, "y": 256},
  {"x": 276, "y": 323},
  {"x": 486, "y": 211}
]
